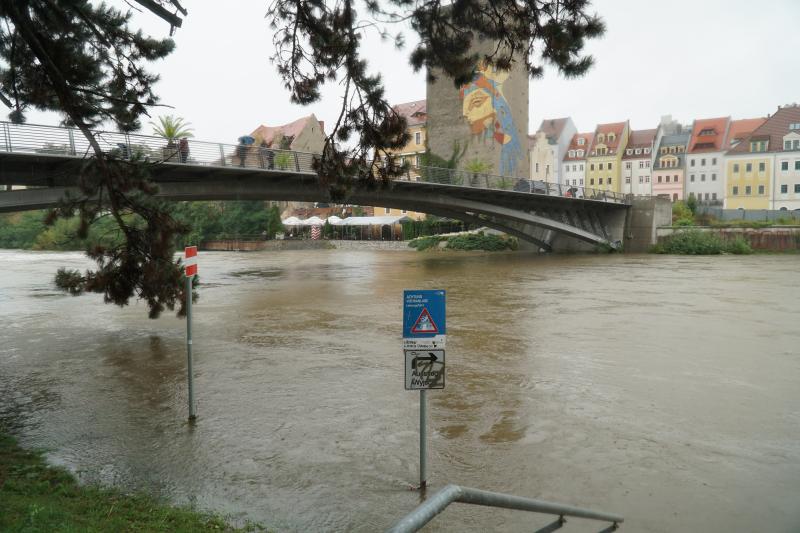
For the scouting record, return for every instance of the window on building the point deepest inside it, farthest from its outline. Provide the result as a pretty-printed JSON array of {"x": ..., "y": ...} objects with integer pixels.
[
  {"x": 628, "y": 165},
  {"x": 691, "y": 195},
  {"x": 609, "y": 166},
  {"x": 784, "y": 189},
  {"x": 404, "y": 211},
  {"x": 760, "y": 189},
  {"x": 599, "y": 181},
  {"x": 796, "y": 144},
  {"x": 784, "y": 165},
  {"x": 600, "y": 166},
  {"x": 537, "y": 168},
  {"x": 572, "y": 153},
  {"x": 647, "y": 179},
  {"x": 600, "y": 138},
  {"x": 748, "y": 190},
  {"x": 659, "y": 179},
  {"x": 581, "y": 182},
  {"x": 703, "y": 162},
  {"x": 418, "y": 137},
  {"x": 628, "y": 151},
  {"x": 762, "y": 166},
  {"x": 702, "y": 177},
  {"x": 647, "y": 164},
  {"x": 691, "y": 178},
  {"x": 675, "y": 197},
  {"x": 735, "y": 191},
  {"x": 794, "y": 126},
  {"x": 713, "y": 160},
  {"x": 641, "y": 179},
  {"x": 581, "y": 168},
  {"x": 416, "y": 160},
  {"x": 591, "y": 181},
  {"x": 627, "y": 179},
  {"x": 714, "y": 177},
  {"x": 386, "y": 210},
  {"x": 691, "y": 162},
  {"x": 706, "y": 197},
  {"x": 580, "y": 141},
  {"x": 797, "y": 188},
  {"x": 675, "y": 179},
  {"x": 609, "y": 181},
  {"x": 641, "y": 164},
  {"x": 787, "y": 144},
  {"x": 748, "y": 167},
  {"x": 797, "y": 164},
  {"x": 713, "y": 196},
  {"x": 547, "y": 170},
  {"x": 591, "y": 166},
  {"x": 736, "y": 168}
]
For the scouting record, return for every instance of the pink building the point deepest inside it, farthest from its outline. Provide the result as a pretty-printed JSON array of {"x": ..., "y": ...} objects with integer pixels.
[{"x": 669, "y": 167}]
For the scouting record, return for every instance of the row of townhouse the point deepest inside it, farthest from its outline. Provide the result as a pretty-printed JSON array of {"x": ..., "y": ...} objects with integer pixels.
[{"x": 749, "y": 164}]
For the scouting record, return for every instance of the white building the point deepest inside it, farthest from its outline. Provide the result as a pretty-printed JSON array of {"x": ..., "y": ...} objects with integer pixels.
[
  {"x": 573, "y": 165},
  {"x": 547, "y": 147},
  {"x": 705, "y": 166},
  {"x": 636, "y": 163}
]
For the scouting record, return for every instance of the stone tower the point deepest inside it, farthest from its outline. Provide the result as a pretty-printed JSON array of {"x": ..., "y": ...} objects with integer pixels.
[{"x": 488, "y": 116}]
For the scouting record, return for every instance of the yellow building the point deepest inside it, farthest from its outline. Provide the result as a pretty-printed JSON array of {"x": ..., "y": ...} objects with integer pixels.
[
  {"x": 604, "y": 161},
  {"x": 416, "y": 114},
  {"x": 748, "y": 176}
]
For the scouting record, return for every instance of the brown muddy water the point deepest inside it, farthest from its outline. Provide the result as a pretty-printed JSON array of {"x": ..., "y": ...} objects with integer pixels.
[{"x": 666, "y": 389}]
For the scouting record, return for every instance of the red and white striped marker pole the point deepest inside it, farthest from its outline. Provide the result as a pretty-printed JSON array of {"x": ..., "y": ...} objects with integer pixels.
[{"x": 190, "y": 264}]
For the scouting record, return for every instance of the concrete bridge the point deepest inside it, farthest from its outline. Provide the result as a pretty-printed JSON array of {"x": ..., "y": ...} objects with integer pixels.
[{"x": 46, "y": 161}]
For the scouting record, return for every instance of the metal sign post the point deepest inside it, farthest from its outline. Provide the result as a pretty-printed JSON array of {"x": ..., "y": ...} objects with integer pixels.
[
  {"x": 424, "y": 338},
  {"x": 191, "y": 270}
]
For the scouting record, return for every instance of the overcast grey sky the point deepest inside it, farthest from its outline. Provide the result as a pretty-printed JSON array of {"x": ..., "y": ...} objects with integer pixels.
[{"x": 689, "y": 58}]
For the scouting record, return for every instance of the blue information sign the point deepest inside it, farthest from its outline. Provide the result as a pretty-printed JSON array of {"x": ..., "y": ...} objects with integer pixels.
[{"x": 424, "y": 319}]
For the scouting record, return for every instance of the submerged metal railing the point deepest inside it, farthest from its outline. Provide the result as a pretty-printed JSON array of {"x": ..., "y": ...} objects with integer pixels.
[
  {"x": 54, "y": 140},
  {"x": 424, "y": 513}
]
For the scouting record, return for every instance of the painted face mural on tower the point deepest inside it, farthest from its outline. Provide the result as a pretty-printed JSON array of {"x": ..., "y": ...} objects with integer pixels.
[{"x": 489, "y": 115}]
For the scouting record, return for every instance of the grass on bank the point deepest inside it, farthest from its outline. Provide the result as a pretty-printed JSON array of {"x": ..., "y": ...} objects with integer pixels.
[
  {"x": 467, "y": 241},
  {"x": 35, "y": 497},
  {"x": 696, "y": 242}
]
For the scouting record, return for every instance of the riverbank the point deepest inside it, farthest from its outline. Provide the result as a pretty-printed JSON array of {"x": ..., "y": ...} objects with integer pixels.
[
  {"x": 37, "y": 497},
  {"x": 775, "y": 239}
]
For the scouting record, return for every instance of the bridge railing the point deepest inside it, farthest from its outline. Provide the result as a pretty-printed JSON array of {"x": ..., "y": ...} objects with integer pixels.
[
  {"x": 54, "y": 140},
  {"x": 464, "y": 178}
]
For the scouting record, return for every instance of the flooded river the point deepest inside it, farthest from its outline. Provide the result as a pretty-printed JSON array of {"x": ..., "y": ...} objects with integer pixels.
[{"x": 666, "y": 389}]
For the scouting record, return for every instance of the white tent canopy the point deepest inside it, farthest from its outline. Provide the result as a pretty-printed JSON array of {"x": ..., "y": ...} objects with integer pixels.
[
  {"x": 334, "y": 220},
  {"x": 292, "y": 221},
  {"x": 374, "y": 221},
  {"x": 313, "y": 221}
]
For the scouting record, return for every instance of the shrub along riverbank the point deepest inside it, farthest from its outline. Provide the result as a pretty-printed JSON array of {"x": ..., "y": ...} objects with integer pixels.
[
  {"x": 466, "y": 241},
  {"x": 696, "y": 242},
  {"x": 36, "y": 497}
]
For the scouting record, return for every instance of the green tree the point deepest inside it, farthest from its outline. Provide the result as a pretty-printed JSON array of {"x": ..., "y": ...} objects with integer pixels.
[
  {"x": 84, "y": 60},
  {"x": 171, "y": 128},
  {"x": 274, "y": 223}
]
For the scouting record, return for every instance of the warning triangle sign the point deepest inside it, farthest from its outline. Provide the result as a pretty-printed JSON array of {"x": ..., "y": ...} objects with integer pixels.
[{"x": 424, "y": 323}]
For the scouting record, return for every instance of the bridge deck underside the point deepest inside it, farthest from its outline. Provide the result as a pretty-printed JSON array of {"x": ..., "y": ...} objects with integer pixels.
[{"x": 514, "y": 212}]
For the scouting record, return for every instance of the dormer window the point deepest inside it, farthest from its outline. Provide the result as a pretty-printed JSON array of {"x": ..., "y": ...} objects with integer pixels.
[
  {"x": 794, "y": 126},
  {"x": 572, "y": 153},
  {"x": 647, "y": 150},
  {"x": 628, "y": 151},
  {"x": 600, "y": 137},
  {"x": 706, "y": 131},
  {"x": 580, "y": 153},
  {"x": 581, "y": 141},
  {"x": 638, "y": 151},
  {"x": 611, "y": 137}
]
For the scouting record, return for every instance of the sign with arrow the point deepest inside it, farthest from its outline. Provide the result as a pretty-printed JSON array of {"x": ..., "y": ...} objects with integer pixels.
[{"x": 424, "y": 369}]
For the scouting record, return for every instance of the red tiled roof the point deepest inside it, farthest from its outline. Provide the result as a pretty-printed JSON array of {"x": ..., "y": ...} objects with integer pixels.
[
  {"x": 617, "y": 128},
  {"x": 640, "y": 139},
  {"x": 292, "y": 129},
  {"x": 713, "y": 135},
  {"x": 742, "y": 128},
  {"x": 553, "y": 127},
  {"x": 573, "y": 145},
  {"x": 415, "y": 112}
]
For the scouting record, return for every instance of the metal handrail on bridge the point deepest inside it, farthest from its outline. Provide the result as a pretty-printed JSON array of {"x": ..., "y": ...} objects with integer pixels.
[
  {"x": 55, "y": 140},
  {"x": 425, "y": 512}
]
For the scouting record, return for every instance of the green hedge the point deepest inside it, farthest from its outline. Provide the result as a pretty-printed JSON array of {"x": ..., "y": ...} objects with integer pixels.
[{"x": 695, "y": 242}]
